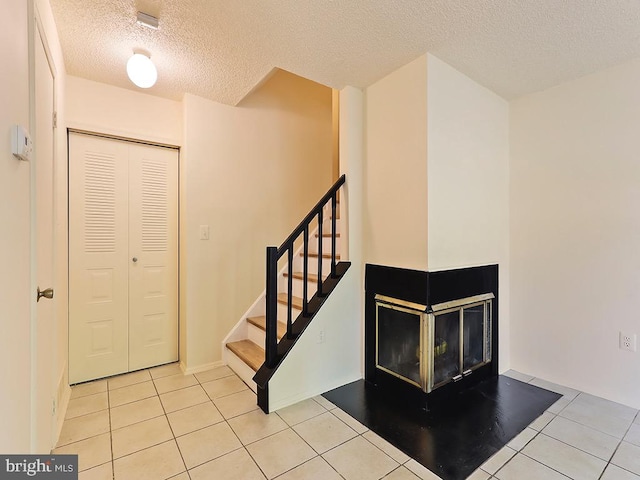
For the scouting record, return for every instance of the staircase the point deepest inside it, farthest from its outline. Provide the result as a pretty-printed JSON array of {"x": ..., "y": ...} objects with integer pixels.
[{"x": 291, "y": 298}]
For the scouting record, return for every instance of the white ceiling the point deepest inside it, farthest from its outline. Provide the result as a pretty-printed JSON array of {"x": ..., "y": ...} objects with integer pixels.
[{"x": 222, "y": 49}]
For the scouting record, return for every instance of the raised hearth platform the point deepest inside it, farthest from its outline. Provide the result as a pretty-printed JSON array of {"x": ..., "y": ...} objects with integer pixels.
[{"x": 454, "y": 438}]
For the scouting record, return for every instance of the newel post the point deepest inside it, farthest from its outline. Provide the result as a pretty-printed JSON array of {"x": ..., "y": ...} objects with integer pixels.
[{"x": 271, "y": 337}]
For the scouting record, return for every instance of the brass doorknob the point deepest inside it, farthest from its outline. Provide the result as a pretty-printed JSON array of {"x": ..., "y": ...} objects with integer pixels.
[
  {"x": 134, "y": 259},
  {"x": 47, "y": 293}
]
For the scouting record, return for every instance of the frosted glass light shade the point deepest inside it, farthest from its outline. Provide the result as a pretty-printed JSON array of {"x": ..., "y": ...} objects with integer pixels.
[{"x": 142, "y": 71}]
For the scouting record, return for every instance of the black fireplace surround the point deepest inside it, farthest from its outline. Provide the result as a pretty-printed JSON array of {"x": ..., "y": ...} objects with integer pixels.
[{"x": 426, "y": 288}]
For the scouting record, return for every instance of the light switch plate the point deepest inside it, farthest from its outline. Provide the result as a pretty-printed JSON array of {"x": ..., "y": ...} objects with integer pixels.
[{"x": 204, "y": 232}]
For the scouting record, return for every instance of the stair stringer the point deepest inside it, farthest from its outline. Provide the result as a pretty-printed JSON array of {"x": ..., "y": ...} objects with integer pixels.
[{"x": 312, "y": 366}]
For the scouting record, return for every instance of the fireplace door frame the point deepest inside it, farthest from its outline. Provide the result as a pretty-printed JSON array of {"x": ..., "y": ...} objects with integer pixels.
[
  {"x": 426, "y": 316},
  {"x": 460, "y": 305},
  {"x": 412, "y": 309}
]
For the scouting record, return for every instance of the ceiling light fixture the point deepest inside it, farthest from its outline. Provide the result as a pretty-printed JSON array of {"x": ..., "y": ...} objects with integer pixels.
[
  {"x": 142, "y": 71},
  {"x": 147, "y": 20}
]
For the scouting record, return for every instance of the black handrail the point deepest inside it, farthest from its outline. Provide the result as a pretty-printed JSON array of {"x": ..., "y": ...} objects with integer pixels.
[{"x": 274, "y": 254}]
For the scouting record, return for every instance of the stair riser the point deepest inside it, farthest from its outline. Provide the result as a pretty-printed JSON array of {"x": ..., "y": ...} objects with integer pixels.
[
  {"x": 282, "y": 313},
  {"x": 326, "y": 245},
  {"x": 255, "y": 334},
  {"x": 313, "y": 265},
  {"x": 298, "y": 287},
  {"x": 243, "y": 370}
]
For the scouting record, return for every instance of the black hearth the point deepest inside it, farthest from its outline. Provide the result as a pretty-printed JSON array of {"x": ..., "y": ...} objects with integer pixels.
[
  {"x": 429, "y": 335},
  {"x": 454, "y": 422}
]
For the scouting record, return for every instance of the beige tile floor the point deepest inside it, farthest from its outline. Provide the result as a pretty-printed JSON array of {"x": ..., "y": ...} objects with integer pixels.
[{"x": 160, "y": 424}]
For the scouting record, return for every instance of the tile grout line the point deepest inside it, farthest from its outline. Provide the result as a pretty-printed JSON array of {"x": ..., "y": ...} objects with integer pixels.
[
  {"x": 549, "y": 467},
  {"x": 321, "y": 455},
  {"x": 533, "y": 459},
  {"x": 580, "y": 449},
  {"x": 113, "y": 462},
  {"x": 290, "y": 427},
  {"x": 166, "y": 417},
  {"x": 618, "y": 447},
  {"x": 256, "y": 462},
  {"x": 225, "y": 420}
]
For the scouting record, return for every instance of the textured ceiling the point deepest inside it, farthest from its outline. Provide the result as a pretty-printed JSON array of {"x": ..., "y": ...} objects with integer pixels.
[{"x": 221, "y": 49}]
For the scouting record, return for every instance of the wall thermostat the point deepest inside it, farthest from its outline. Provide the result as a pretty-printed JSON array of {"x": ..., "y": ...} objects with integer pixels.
[{"x": 21, "y": 144}]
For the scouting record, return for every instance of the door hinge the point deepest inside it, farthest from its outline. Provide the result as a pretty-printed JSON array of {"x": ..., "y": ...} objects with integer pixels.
[{"x": 55, "y": 119}]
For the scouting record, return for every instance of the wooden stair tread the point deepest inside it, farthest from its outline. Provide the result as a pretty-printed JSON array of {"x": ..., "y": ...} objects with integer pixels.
[
  {"x": 248, "y": 352},
  {"x": 311, "y": 277},
  {"x": 324, "y": 255},
  {"x": 327, "y": 235},
  {"x": 296, "y": 302},
  {"x": 261, "y": 323}
]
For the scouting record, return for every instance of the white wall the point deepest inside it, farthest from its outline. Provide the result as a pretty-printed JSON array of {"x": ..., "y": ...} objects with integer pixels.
[
  {"x": 311, "y": 367},
  {"x": 575, "y": 232},
  {"x": 251, "y": 173},
  {"x": 395, "y": 171},
  {"x": 468, "y": 179},
  {"x": 15, "y": 233},
  {"x": 102, "y": 108}
]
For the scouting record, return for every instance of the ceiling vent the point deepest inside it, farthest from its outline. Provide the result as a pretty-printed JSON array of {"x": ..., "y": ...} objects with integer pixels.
[{"x": 147, "y": 20}]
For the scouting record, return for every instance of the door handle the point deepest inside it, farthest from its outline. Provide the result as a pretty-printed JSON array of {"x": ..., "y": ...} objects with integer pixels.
[
  {"x": 47, "y": 293},
  {"x": 134, "y": 259}
]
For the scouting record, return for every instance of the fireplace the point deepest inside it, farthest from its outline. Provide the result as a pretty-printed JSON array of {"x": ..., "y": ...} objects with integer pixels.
[
  {"x": 432, "y": 346},
  {"x": 429, "y": 334}
]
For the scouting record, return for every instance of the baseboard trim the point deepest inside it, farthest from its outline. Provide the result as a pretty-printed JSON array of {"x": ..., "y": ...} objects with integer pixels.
[
  {"x": 200, "y": 368},
  {"x": 63, "y": 396},
  {"x": 277, "y": 404}
]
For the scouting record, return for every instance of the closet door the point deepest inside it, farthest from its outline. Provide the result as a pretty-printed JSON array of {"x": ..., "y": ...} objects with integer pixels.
[
  {"x": 153, "y": 256},
  {"x": 123, "y": 257},
  {"x": 98, "y": 257}
]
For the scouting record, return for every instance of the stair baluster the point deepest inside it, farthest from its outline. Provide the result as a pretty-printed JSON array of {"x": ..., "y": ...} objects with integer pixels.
[{"x": 320, "y": 221}]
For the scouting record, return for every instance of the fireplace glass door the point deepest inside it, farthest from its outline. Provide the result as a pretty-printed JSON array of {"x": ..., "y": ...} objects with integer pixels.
[
  {"x": 461, "y": 338},
  {"x": 473, "y": 336},
  {"x": 399, "y": 346},
  {"x": 446, "y": 347}
]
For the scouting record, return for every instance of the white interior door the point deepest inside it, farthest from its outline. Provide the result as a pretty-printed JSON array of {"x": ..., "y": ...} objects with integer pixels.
[
  {"x": 153, "y": 247},
  {"x": 98, "y": 251},
  {"x": 123, "y": 256},
  {"x": 43, "y": 332}
]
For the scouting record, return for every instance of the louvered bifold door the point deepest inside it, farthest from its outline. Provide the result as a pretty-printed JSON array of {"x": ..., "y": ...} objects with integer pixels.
[
  {"x": 153, "y": 216},
  {"x": 98, "y": 257},
  {"x": 123, "y": 251}
]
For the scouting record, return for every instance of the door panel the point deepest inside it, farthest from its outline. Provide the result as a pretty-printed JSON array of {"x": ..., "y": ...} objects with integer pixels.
[
  {"x": 153, "y": 217},
  {"x": 98, "y": 254}
]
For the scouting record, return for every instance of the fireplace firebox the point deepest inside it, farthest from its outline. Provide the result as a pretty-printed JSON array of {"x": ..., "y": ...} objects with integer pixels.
[
  {"x": 432, "y": 346},
  {"x": 430, "y": 334}
]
